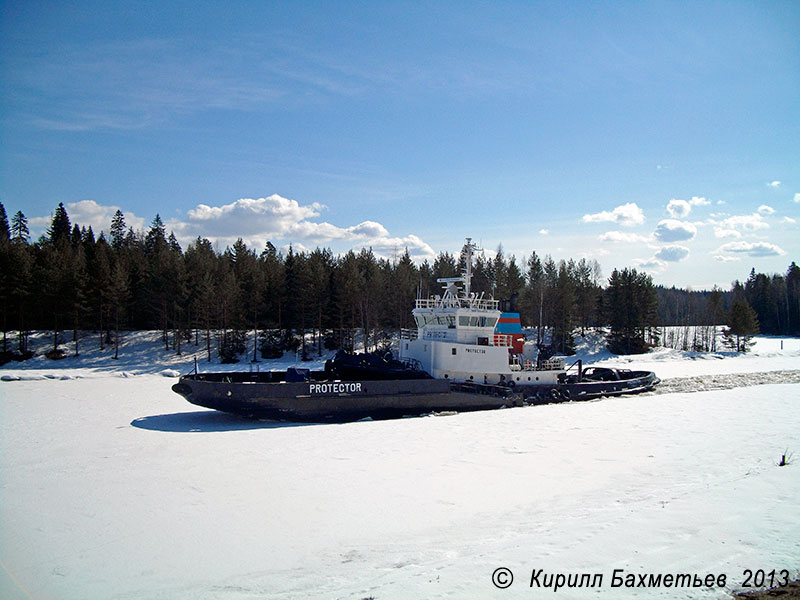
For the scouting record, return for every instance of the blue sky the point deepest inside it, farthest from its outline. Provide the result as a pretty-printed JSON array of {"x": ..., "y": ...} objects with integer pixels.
[{"x": 664, "y": 136}]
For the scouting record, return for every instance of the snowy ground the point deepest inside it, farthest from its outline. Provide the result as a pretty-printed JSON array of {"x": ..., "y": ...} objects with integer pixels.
[{"x": 113, "y": 486}]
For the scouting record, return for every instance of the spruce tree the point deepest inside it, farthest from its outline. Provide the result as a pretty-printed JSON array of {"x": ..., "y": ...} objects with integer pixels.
[
  {"x": 118, "y": 230},
  {"x": 60, "y": 227},
  {"x": 631, "y": 311},
  {"x": 19, "y": 228},
  {"x": 5, "y": 232},
  {"x": 742, "y": 326}
]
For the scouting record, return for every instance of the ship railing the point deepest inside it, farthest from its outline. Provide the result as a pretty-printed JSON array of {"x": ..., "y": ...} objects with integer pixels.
[
  {"x": 451, "y": 302},
  {"x": 503, "y": 339},
  {"x": 553, "y": 364},
  {"x": 409, "y": 334},
  {"x": 412, "y": 363}
]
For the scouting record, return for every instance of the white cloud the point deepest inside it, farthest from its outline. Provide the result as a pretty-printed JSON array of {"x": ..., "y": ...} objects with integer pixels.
[
  {"x": 679, "y": 208},
  {"x": 626, "y": 215},
  {"x": 752, "y": 249},
  {"x": 672, "y": 253},
  {"x": 774, "y": 184},
  {"x": 623, "y": 237},
  {"x": 368, "y": 229},
  {"x": 654, "y": 265},
  {"x": 671, "y": 230},
  {"x": 281, "y": 219},
  {"x": 274, "y": 215},
  {"x": 745, "y": 223},
  {"x": 797, "y": 198},
  {"x": 724, "y": 259},
  {"x": 698, "y": 201},
  {"x": 765, "y": 210},
  {"x": 544, "y": 232},
  {"x": 723, "y": 233},
  {"x": 789, "y": 220}
]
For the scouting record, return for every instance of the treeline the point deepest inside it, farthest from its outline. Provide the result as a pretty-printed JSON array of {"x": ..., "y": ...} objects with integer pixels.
[{"x": 72, "y": 280}]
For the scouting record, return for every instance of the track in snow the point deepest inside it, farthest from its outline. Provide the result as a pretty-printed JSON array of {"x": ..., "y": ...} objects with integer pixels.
[{"x": 704, "y": 383}]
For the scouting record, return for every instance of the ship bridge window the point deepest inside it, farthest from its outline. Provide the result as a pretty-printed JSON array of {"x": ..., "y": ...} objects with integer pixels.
[
  {"x": 465, "y": 321},
  {"x": 447, "y": 320}
]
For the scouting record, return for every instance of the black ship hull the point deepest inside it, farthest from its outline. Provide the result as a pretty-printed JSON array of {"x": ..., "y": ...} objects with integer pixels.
[
  {"x": 270, "y": 396},
  {"x": 316, "y": 396}
]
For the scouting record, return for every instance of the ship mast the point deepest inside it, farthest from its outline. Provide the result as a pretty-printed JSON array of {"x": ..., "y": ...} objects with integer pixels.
[
  {"x": 451, "y": 292},
  {"x": 466, "y": 253}
]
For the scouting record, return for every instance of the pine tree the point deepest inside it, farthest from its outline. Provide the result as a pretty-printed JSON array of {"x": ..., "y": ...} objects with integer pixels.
[
  {"x": 564, "y": 310},
  {"x": 533, "y": 298}
]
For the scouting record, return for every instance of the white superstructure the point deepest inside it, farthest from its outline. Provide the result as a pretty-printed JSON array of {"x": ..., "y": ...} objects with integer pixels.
[{"x": 455, "y": 338}]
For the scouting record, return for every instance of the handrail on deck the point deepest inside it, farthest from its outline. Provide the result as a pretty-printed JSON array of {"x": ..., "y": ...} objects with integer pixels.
[{"x": 471, "y": 303}]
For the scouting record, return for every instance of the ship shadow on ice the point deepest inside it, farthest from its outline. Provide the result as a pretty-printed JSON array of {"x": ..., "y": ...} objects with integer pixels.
[{"x": 208, "y": 421}]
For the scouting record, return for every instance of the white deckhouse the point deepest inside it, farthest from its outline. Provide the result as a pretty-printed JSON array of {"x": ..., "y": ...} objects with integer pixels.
[{"x": 456, "y": 339}]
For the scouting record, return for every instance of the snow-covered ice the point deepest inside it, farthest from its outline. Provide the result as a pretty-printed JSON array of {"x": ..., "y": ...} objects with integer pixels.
[{"x": 115, "y": 487}]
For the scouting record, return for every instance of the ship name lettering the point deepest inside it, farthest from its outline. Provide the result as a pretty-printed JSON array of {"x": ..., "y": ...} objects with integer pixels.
[{"x": 334, "y": 388}]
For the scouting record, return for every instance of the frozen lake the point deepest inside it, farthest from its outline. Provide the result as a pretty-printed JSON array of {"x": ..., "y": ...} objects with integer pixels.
[{"x": 114, "y": 487}]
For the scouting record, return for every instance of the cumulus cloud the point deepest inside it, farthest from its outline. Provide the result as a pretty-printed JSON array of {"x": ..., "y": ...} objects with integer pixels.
[
  {"x": 796, "y": 198},
  {"x": 745, "y": 223},
  {"x": 679, "y": 208},
  {"x": 723, "y": 233},
  {"x": 671, "y": 230},
  {"x": 626, "y": 215},
  {"x": 752, "y": 249},
  {"x": 281, "y": 219},
  {"x": 654, "y": 265},
  {"x": 544, "y": 232},
  {"x": 789, "y": 220},
  {"x": 274, "y": 215},
  {"x": 724, "y": 259},
  {"x": 618, "y": 237},
  {"x": 774, "y": 184},
  {"x": 765, "y": 210},
  {"x": 672, "y": 253},
  {"x": 368, "y": 229}
]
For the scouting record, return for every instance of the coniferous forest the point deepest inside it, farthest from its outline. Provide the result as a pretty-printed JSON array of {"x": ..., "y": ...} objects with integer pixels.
[{"x": 71, "y": 280}]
